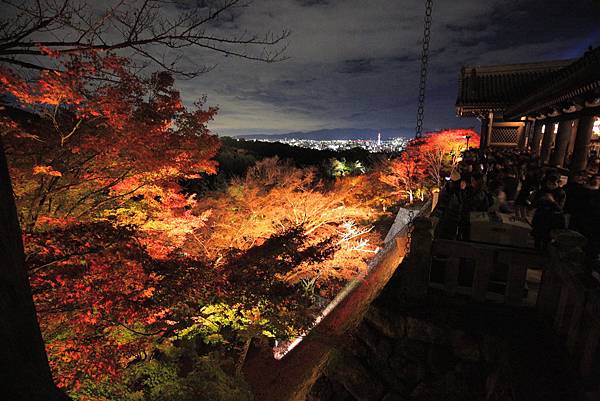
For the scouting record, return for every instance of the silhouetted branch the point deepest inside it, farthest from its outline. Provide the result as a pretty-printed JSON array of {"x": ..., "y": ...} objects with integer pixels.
[{"x": 149, "y": 28}]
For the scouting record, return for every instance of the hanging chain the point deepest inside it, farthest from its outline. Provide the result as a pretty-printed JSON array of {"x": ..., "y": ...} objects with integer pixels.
[
  {"x": 409, "y": 225},
  {"x": 424, "y": 65},
  {"x": 421, "y": 103}
]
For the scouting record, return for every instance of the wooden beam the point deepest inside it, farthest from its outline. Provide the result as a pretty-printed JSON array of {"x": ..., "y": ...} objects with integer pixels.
[
  {"x": 515, "y": 283},
  {"x": 471, "y": 250},
  {"x": 483, "y": 270},
  {"x": 451, "y": 275}
]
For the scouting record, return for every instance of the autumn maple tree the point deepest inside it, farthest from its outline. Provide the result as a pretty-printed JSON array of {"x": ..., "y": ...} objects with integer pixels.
[
  {"x": 96, "y": 151},
  {"x": 405, "y": 174},
  {"x": 86, "y": 149},
  {"x": 424, "y": 161},
  {"x": 92, "y": 142},
  {"x": 442, "y": 151}
]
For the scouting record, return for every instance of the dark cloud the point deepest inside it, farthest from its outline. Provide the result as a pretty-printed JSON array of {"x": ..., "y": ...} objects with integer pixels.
[
  {"x": 310, "y": 3},
  {"x": 356, "y": 64},
  {"x": 360, "y": 66}
]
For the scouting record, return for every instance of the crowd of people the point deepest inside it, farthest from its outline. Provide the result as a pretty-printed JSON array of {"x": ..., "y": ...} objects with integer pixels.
[{"x": 515, "y": 182}]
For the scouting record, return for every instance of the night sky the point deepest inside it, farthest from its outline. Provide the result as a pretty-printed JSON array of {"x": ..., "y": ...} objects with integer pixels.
[{"x": 354, "y": 63}]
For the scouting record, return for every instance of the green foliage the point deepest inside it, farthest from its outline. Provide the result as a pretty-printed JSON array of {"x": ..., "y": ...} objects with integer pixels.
[
  {"x": 206, "y": 382},
  {"x": 175, "y": 373},
  {"x": 153, "y": 376},
  {"x": 123, "y": 335},
  {"x": 215, "y": 319},
  {"x": 105, "y": 390},
  {"x": 179, "y": 374},
  {"x": 342, "y": 168}
]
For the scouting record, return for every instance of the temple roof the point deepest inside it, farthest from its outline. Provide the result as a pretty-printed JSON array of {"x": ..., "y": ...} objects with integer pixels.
[
  {"x": 575, "y": 83},
  {"x": 484, "y": 88}
]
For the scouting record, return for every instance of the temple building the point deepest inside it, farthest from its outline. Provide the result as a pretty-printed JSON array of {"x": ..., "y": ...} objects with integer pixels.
[{"x": 551, "y": 107}]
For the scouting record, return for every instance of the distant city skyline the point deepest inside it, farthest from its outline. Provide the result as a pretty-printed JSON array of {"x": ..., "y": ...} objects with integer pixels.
[
  {"x": 371, "y": 145},
  {"x": 331, "y": 134}
]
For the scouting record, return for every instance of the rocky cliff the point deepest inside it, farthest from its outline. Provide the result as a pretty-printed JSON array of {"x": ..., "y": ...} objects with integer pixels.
[{"x": 441, "y": 348}]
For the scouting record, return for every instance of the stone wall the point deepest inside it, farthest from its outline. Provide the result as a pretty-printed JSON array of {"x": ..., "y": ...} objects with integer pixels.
[
  {"x": 441, "y": 348},
  {"x": 414, "y": 358}
]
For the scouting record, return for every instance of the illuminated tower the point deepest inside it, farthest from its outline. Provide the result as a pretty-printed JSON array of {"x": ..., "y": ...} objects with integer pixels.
[{"x": 379, "y": 139}]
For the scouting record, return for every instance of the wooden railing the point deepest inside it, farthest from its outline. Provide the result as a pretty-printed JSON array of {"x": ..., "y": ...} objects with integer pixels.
[
  {"x": 568, "y": 297},
  {"x": 494, "y": 272}
]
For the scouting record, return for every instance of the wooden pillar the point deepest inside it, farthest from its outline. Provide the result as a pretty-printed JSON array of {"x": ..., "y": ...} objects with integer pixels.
[
  {"x": 536, "y": 141},
  {"x": 571, "y": 143},
  {"x": 483, "y": 134},
  {"x": 581, "y": 149},
  {"x": 486, "y": 131},
  {"x": 547, "y": 142},
  {"x": 527, "y": 133},
  {"x": 490, "y": 127},
  {"x": 522, "y": 135},
  {"x": 562, "y": 142}
]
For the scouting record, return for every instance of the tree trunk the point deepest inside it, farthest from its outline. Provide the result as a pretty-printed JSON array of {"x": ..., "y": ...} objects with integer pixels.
[
  {"x": 242, "y": 358},
  {"x": 24, "y": 370}
]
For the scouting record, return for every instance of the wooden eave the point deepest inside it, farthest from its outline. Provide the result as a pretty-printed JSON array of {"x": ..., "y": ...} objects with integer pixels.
[{"x": 573, "y": 84}]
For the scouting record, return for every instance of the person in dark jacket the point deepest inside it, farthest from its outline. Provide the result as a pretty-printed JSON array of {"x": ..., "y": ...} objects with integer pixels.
[
  {"x": 548, "y": 216},
  {"x": 450, "y": 206},
  {"x": 551, "y": 186},
  {"x": 576, "y": 204},
  {"x": 529, "y": 185},
  {"x": 510, "y": 184},
  {"x": 477, "y": 198}
]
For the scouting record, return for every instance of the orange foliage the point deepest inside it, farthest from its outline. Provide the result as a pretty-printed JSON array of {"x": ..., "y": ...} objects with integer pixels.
[
  {"x": 90, "y": 285},
  {"x": 95, "y": 153},
  {"x": 425, "y": 160},
  {"x": 100, "y": 135},
  {"x": 441, "y": 151},
  {"x": 405, "y": 174},
  {"x": 275, "y": 197}
]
